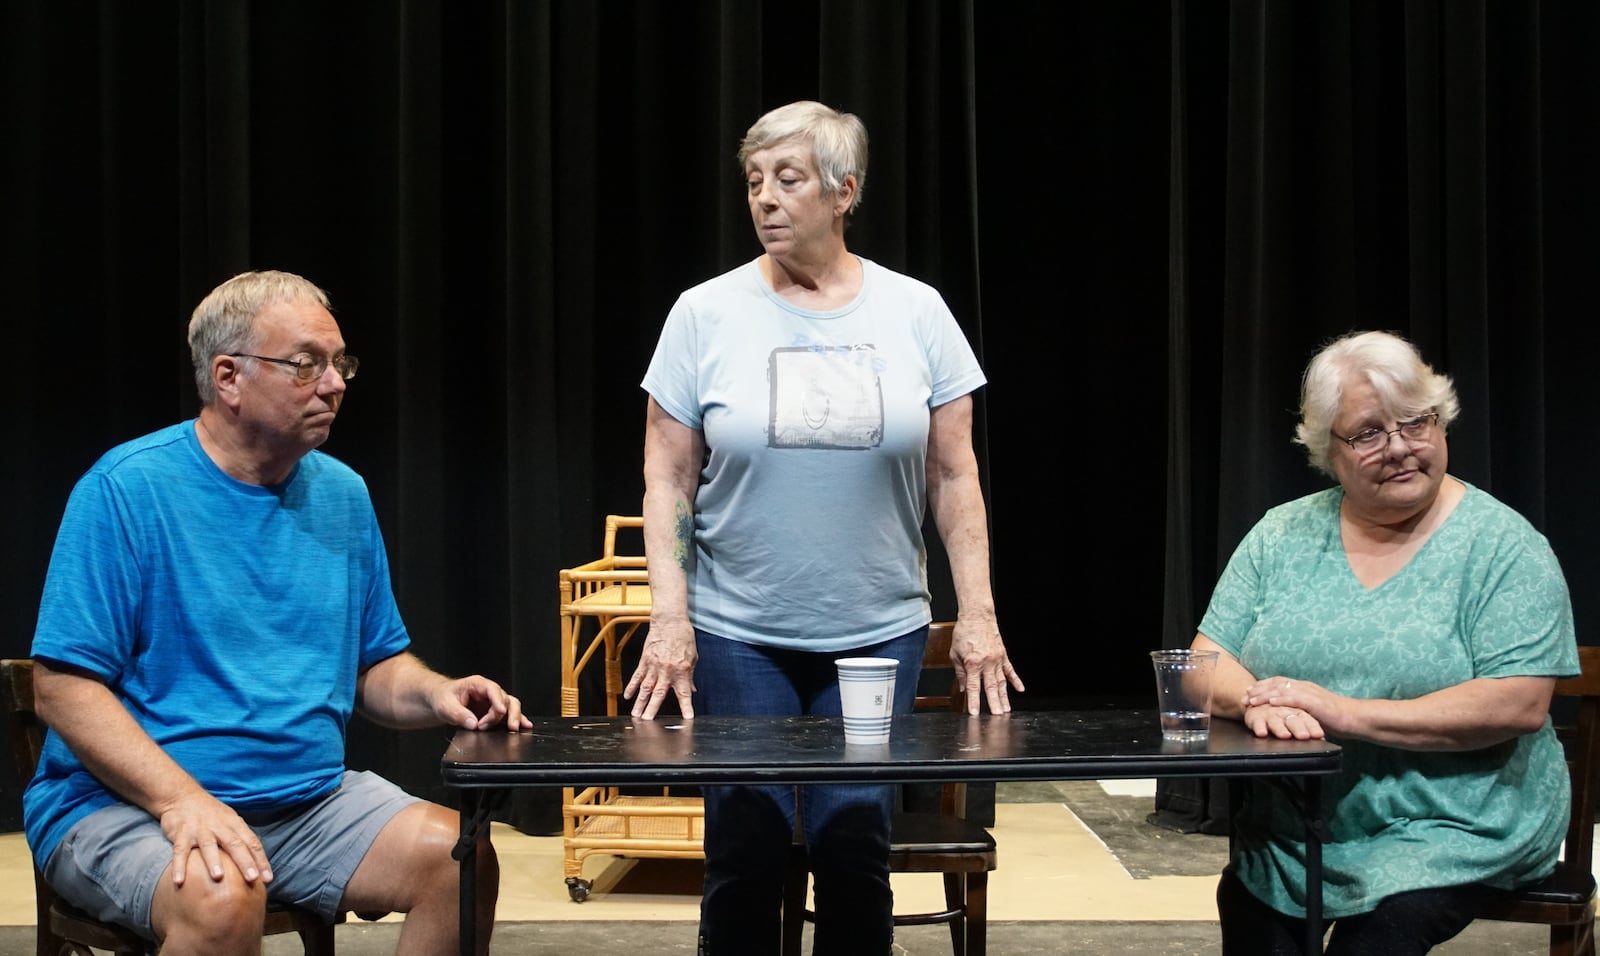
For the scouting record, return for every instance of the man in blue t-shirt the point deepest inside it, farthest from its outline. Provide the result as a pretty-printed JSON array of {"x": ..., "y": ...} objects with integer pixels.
[{"x": 217, "y": 605}]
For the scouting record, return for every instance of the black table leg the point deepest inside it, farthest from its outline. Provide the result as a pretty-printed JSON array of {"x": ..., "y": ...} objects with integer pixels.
[
  {"x": 1306, "y": 794},
  {"x": 1314, "y": 837},
  {"x": 466, "y": 852},
  {"x": 476, "y": 806}
]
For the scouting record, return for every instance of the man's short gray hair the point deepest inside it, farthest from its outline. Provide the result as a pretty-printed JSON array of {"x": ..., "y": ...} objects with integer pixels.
[{"x": 224, "y": 321}]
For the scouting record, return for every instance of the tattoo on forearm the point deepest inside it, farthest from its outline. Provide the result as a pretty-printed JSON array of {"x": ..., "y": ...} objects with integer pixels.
[{"x": 683, "y": 535}]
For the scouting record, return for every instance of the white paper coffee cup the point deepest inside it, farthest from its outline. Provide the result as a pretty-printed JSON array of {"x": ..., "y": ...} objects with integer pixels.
[{"x": 866, "y": 689}]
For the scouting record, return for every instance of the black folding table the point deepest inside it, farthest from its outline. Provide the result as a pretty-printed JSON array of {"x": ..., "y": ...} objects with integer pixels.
[{"x": 1038, "y": 745}]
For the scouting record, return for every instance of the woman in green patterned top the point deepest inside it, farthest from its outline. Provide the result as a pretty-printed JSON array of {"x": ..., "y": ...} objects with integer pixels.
[{"x": 1422, "y": 625}]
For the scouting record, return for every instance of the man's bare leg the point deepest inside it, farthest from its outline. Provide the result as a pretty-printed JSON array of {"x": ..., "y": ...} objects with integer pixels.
[
  {"x": 409, "y": 870},
  {"x": 206, "y": 916}
]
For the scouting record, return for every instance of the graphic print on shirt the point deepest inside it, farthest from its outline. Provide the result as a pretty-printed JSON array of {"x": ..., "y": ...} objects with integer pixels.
[{"x": 824, "y": 397}]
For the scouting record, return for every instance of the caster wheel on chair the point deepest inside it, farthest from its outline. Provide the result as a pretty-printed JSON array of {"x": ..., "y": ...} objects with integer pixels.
[{"x": 578, "y": 889}]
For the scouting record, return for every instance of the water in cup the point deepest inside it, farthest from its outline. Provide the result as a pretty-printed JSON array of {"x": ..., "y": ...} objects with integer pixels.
[
  {"x": 1185, "y": 724},
  {"x": 1183, "y": 692}
]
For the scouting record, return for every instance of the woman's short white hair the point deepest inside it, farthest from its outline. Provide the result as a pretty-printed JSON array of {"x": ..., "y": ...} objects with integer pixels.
[
  {"x": 224, "y": 323},
  {"x": 1406, "y": 385},
  {"x": 838, "y": 142}
]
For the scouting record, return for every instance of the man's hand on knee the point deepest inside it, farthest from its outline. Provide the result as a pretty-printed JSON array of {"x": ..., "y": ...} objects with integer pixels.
[{"x": 199, "y": 822}]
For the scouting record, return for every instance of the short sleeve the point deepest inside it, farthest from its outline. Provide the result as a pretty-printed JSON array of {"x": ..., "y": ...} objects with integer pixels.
[
  {"x": 672, "y": 378},
  {"x": 1522, "y": 625},
  {"x": 955, "y": 368},
  {"x": 1236, "y": 598},
  {"x": 85, "y": 617}
]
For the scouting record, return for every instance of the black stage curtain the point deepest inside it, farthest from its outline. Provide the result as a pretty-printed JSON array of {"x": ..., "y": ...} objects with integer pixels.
[
  {"x": 1172, "y": 204},
  {"x": 1421, "y": 167}
]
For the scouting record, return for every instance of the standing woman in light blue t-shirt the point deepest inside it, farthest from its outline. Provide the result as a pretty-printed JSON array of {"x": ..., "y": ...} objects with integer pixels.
[
  {"x": 806, "y": 409},
  {"x": 1422, "y": 625}
]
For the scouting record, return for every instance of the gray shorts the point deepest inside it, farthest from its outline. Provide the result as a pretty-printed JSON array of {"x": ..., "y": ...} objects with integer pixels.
[{"x": 109, "y": 862}]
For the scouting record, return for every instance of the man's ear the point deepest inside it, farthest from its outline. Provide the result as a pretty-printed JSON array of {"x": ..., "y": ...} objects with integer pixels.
[{"x": 225, "y": 372}]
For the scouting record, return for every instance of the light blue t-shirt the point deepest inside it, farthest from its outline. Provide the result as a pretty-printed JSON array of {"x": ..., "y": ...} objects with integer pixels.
[
  {"x": 808, "y": 519},
  {"x": 230, "y": 619},
  {"x": 1483, "y": 597}
]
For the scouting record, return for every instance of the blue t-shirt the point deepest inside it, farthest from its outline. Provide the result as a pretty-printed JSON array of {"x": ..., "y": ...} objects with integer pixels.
[
  {"x": 808, "y": 518},
  {"x": 230, "y": 619},
  {"x": 1483, "y": 597}
]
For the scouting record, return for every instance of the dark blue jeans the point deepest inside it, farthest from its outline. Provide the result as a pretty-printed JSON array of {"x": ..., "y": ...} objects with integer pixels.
[{"x": 749, "y": 829}]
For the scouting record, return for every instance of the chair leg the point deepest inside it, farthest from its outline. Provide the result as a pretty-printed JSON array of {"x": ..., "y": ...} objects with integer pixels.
[
  {"x": 977, "y": 914},
  {"x": 1575, "y": 940},
  {"x": 318, "y": 940},
  {"x": 794, "y": 900},
  {"x": 955, "y": 898}
]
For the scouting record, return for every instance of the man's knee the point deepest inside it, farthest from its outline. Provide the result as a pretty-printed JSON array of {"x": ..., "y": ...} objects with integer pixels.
[
  {"x": 434, "y": 833},
  {"x": 224, "y": 915},
  {"x": 410, "y": 862}
]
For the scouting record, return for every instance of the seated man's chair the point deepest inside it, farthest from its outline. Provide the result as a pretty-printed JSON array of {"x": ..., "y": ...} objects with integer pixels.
[
  {"x": 1566, "y": 900},
  {"x": 944, "y": 842},
  {"x": 63, "y": 929}
]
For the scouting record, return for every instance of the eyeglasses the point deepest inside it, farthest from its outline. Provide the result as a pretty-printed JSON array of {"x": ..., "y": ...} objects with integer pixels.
[
  {"x": 1369, "y": 440},
  {"x": 309, "y": 368}
]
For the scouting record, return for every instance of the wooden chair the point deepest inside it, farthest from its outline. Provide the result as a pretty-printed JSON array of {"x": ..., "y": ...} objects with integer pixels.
[
  {"x": 62, "y": 928},
  {"x": 944, "y": 842},
  {"x": 1566, "y": 900}
]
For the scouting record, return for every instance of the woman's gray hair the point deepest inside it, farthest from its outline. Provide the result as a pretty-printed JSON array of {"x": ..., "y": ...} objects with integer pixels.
[
  {"x": 224, "y": 321},
  {"x": 838, "y": 142},
  {"x": 1406, "y": 385}
]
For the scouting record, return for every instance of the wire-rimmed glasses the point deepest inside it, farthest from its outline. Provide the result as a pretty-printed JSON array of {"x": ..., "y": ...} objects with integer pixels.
[
  {"x": 1369, "y": 441},
  {"x": 308, "y": 367}
]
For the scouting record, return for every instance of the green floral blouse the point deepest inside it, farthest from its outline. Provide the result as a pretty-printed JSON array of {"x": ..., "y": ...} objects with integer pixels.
[{"x": 1484, "y": 597}]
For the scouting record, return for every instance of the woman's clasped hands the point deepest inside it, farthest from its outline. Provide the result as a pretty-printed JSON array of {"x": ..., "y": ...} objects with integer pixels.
[{"x": 1286, "y": 708}]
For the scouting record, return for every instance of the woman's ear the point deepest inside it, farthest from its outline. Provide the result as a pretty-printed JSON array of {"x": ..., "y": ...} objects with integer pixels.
[{"x": 844, "y": 196}]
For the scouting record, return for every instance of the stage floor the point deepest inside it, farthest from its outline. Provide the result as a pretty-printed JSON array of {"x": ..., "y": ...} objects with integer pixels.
[{"x": 1123, "y": 887}]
